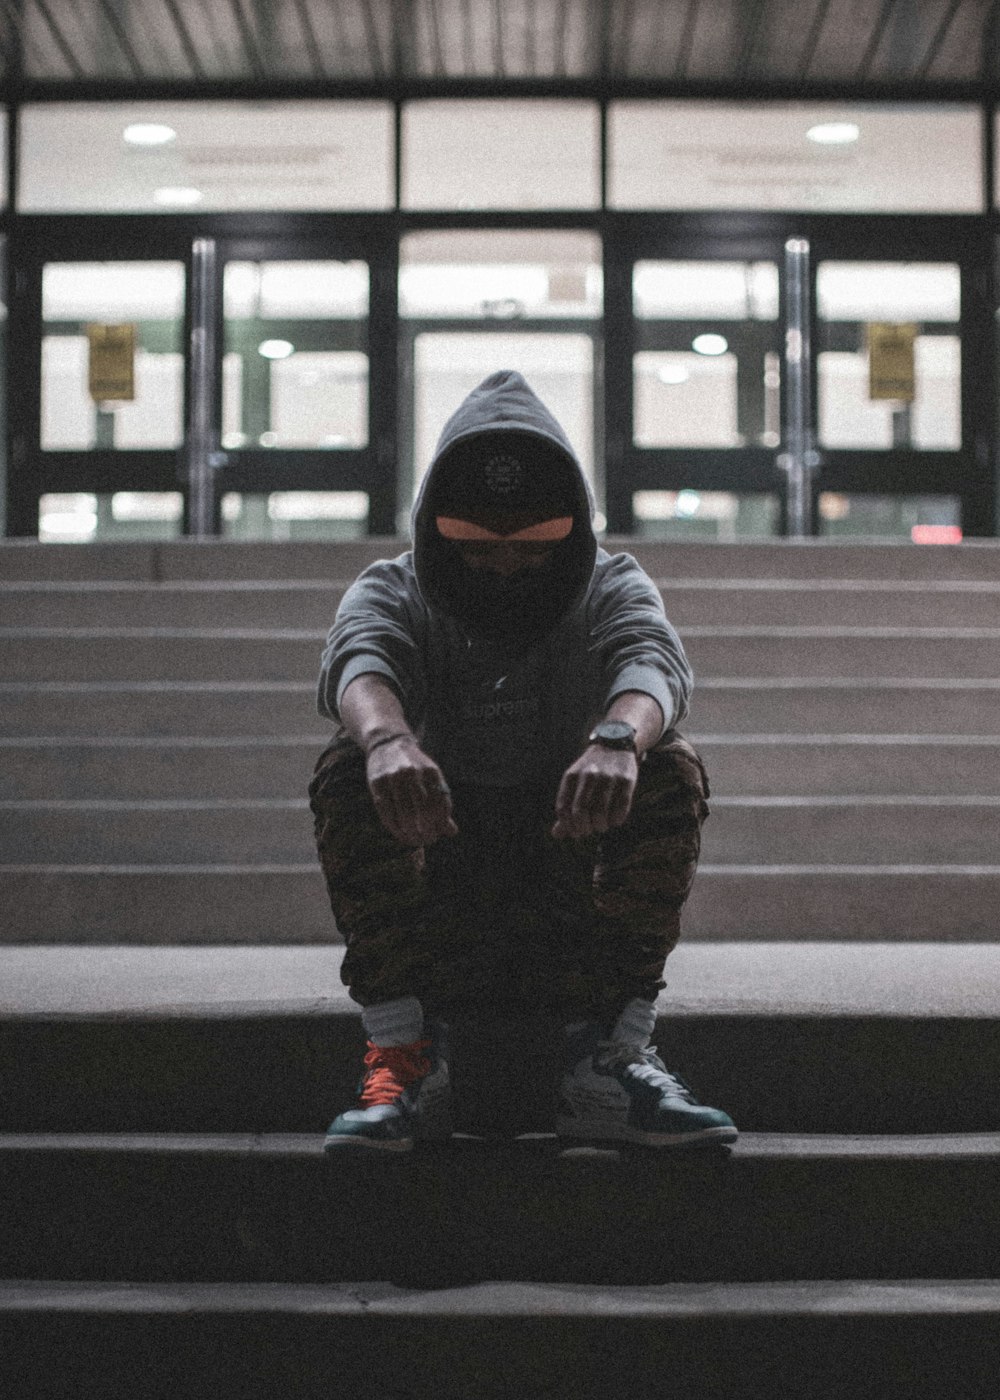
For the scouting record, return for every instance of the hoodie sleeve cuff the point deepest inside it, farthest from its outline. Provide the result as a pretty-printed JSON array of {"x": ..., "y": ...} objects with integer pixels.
[
  {"x": 361, "y": 666},
  {"x": 651, "y": 682}
]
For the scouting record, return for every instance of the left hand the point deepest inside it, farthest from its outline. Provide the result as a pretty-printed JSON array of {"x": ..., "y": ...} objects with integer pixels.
[{"x": 596, "y": 792}]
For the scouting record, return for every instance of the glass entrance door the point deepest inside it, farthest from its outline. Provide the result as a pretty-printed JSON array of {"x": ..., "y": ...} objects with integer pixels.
[
  {"x": 889, "y": 381},
  {"x": 298, "y": 441},
  {"x": 694, "y": 382},
  {"x": 705, "y": 397},
  {"x": 101, "y": 426},
  {"x": 699, "y": 378},
  {"x": 476, "y": 301},
  {"x": 304, "y": 436}
]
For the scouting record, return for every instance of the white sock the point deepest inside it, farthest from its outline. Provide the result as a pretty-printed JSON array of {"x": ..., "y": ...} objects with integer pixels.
[
  {"x": 398, "y": 1022},
  {"x": 636, "y": 1023}
]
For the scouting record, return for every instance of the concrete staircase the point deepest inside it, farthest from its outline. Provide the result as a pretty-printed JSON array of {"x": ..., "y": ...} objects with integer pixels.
[{"x": 173, "y": 1037}]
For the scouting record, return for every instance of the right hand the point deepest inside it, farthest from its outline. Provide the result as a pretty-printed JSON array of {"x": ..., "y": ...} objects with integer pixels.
[{"x": 410, "y": 794}]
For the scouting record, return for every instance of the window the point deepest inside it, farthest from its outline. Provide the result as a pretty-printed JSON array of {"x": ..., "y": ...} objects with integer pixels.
[
  {"x": 922, "y": 301},
  {"x": 854, "y": 158},
  {"x": 149, "y": 157},
  {"x": 295, "y": 369},
  {"x": 145, "y": 299},
  {"x": 500, "y": 274},
  {"x": 708, "y": 370},
  {"x": 501, "y": 154}
]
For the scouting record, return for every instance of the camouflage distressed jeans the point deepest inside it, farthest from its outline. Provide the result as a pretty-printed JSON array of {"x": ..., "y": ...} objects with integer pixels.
[{"x": 504, "y": 914}]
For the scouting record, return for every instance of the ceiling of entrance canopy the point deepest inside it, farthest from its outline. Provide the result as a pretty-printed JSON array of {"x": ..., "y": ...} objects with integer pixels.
[{"x": 109, "y": 47}]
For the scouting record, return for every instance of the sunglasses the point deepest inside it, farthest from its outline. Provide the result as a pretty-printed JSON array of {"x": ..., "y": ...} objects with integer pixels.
[{"x": 465, "y": 530}]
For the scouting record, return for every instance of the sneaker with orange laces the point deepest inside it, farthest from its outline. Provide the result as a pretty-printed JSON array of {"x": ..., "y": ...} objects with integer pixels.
[{"x": 403, "y": 1096}]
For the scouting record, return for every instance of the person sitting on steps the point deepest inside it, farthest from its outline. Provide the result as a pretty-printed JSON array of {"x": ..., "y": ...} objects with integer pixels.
[{"x": 507, "y": 815}]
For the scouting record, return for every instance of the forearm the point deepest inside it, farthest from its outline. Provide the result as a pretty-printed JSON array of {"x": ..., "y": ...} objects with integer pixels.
[
  {"x": 371, "y": 710},
  {"x": 642, "y": 712}
]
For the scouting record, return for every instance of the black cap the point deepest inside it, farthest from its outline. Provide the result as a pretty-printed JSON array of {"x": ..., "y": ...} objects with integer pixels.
[{"x": 506, "y": 474}]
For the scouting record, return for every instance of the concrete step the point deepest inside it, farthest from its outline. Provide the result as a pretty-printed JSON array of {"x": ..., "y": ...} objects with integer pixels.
[
  {"x": 151, "y": 709},
  {"x": 286, "y": 709},
  {"x": 274, "y": 604},
  {"x": 232, "y": 559},
  {"x": 251, "y": 1207},
  {"x": 255, "y": 903},
  {"x": 743, "y": 830},
  {"x": 274, "y": 831},
  {"x": 833, "y": 653},
  {"x": 144, "y": 654},
  {"x": 870, "y": 1339},
  {"x": 784, "y": 602},
  {"x": 160, "y": 654},
  {"x": 26, "y": 560},
  {"x": 874, "y": 765},
  {"x": 787, "y": 1037},
  {"x": 853, "y": 830},
  {"x": 131, "y": 769},
  {"x": 135, "y": 769},
  {"x": 307, "y": 603},
  {"x": 974, "y": 560},
  {"x": 876, "y": 705}
]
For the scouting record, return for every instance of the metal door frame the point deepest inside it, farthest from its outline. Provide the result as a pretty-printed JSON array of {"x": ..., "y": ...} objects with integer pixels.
[
  {"x": 101, "y": 238},
  {"x": 966, "y": 473}
]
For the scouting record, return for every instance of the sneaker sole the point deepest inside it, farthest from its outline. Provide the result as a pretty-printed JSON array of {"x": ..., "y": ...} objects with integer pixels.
[
  {"x": 621, "y": 1132},
  {"x": 332, "y": 1144}
]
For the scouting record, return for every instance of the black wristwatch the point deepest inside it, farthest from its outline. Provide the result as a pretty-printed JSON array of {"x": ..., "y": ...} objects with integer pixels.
[{"x": 614, "y": 734}]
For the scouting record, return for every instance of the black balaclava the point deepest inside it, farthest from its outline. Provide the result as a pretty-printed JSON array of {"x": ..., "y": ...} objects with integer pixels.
[
  {"x": 505, "y": 480},
  {"x": 504, "y": 457}
]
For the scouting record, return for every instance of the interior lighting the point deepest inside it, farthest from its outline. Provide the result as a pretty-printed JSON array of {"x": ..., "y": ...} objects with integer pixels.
[
  {"x": 673, "y": 374},
  {"x": 149, "y": 134},
  {"x": 710, "y": 344},
  {"x": 936, "y": 534},
  {"x": 275, "y": 349},
  {"x": 834, "y": 133},
  {"x": 178, "y": 196},
  {"x": 687, "y": 503}
]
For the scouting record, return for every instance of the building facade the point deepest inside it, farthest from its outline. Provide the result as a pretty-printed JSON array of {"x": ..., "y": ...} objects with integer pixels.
[{"x": 242, "y": 299}]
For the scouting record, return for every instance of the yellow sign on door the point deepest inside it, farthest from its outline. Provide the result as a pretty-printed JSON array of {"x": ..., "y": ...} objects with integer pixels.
[
  {"x": 111, "y": 362},
  {"x": 891, "y": 372}
]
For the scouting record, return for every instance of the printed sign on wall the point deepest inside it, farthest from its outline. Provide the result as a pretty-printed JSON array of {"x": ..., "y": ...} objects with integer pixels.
[
  {"x": 111, "y": 362},
  {"x": 890, "y": 360}
]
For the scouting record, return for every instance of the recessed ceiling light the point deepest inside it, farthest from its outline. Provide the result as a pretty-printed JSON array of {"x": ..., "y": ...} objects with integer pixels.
[
  {"x": 834, "y": 133},
  {"x": 673, "y": 374},
  {"x": 710, "y": 344},
  {"x": 149, "y": 134},
  {"x": 275, "y": 349},
  {"x": 177, "y": 196}
]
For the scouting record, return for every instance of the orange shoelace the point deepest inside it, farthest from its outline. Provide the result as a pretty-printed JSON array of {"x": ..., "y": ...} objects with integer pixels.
[{"x": 390, "y": 1069}]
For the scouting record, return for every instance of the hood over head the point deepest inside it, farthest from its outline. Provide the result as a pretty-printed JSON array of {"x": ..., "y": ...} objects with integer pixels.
[{"x": 503, "y": 460}]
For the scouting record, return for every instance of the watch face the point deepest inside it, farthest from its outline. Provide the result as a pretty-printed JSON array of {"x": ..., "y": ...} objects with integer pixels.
[
  {"x": 614, "y": 734},
  {"x": 616, "y": 730}
]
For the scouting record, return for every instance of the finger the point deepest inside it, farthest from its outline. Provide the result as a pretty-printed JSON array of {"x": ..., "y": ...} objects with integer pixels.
[
  {"x": 435, "y": 814},
  {"x": 415, "y": 808},
  {"x": 564, "y": 797},
  {"x": 436, "y": 790},
  {"x": 388, "y": 820},
  {"x": 435, "y": 807},
  {"x": 393, "y": 808},
  {"x": 590, "y": 806},
  {"x": 385, "y": 806},
  {"x": 621, "y": 804}
]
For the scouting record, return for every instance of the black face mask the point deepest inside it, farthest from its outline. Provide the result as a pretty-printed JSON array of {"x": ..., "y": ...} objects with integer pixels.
[{"x": 520, "y": 607}]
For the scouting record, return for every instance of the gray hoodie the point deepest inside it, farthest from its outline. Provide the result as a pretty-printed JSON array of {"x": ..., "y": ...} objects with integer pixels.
[{"x": 513, "y": 711}]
